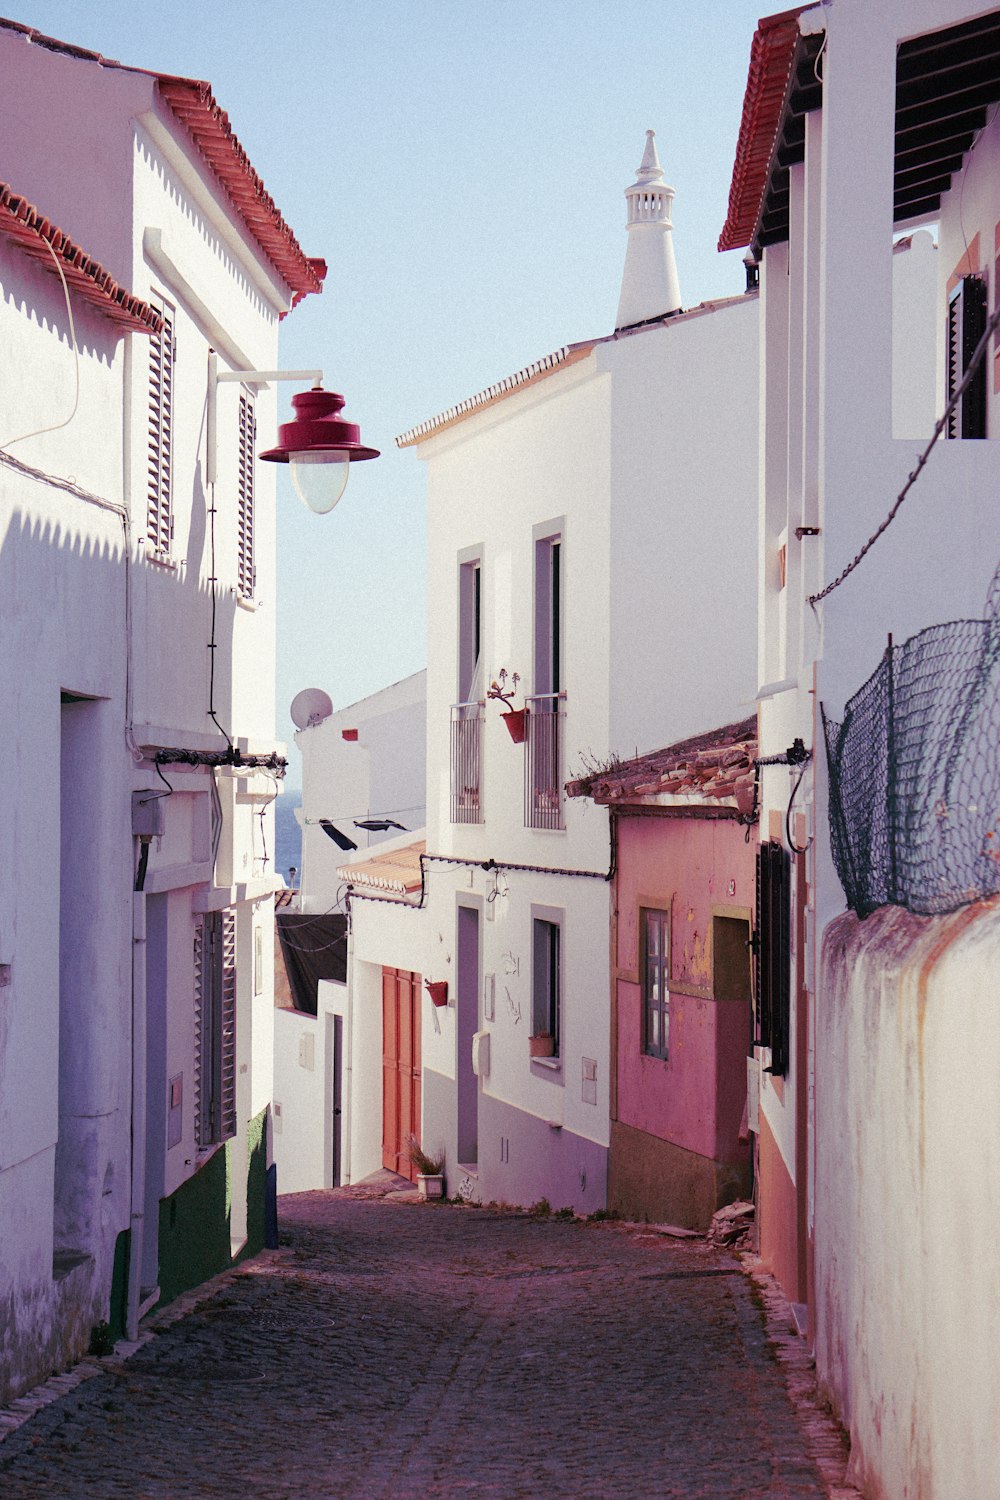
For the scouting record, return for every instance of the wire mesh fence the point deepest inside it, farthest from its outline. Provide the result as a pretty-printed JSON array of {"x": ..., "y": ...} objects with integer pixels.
[{"x": 915, "y": 772}]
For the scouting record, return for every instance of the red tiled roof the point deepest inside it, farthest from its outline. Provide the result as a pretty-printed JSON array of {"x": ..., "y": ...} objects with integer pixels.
[
  {"x": 196, "y": 107},
  {"x": 23, "y": 223},
  {"x": 715, "y": 767},
  {"x": 771, "y": 56}
]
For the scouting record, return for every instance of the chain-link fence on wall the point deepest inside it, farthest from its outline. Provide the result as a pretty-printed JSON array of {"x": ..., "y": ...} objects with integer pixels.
[{"x": 915, "y": 772}]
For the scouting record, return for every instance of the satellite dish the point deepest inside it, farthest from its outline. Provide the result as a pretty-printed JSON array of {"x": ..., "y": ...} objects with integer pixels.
[{"x": 311, "y": 706}]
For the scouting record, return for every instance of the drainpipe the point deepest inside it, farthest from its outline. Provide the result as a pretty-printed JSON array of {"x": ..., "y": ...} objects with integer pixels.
[{"x": 137, "y": 1216}]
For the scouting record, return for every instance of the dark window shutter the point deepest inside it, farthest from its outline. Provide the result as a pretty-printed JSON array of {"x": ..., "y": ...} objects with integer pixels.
[
  {"x": 772, "y": 953},
  {"x": 966, "y": 322}
]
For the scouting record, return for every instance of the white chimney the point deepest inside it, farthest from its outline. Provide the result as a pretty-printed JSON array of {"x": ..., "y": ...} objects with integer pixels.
[{"x": 650, "y": 286}]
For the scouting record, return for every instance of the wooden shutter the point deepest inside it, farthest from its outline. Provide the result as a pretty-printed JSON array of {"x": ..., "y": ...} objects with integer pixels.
[
  {"x": 227, "y": 1025},
  {"x": 966, "y": 322},
  {"x": 215, "y": 1028},
  {"x": 246, "y": 573},
  {"x": 202, "y": 1029},
  {"x": 159, "y": 509},
  {"x": 773, "y": 953}
]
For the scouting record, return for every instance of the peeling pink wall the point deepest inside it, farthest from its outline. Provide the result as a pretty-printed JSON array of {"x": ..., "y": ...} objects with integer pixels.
[{"x": 695, "y": 1098}]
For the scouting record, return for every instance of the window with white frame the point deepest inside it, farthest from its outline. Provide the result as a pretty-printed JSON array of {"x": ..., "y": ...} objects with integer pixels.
[
  {"x": 215, "y": 1027},
  {"x": 246, "y": 569},
  {"x": 656, "y": 982},
  {"x": 546, "y": 980},
  {"x": 159, "y": 489}
]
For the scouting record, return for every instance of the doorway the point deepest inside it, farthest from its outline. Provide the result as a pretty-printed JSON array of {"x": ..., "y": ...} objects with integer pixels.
[
  {"x": 400, "y": 1068},
  {"x": 468, "y": 1024}
]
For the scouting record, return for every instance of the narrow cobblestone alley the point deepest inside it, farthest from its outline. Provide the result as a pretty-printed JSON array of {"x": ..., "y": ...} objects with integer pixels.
[{"x": 392, "y": 1350}]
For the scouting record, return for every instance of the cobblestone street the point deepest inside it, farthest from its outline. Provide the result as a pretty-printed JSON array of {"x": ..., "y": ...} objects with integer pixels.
[{"x": 395, "y": 1350}]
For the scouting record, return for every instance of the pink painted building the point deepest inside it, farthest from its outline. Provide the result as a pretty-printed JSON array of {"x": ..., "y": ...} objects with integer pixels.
[{"x": 681, "y": 1000}]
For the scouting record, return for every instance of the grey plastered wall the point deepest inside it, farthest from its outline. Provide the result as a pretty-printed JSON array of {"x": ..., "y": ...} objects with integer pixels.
[
  {"x": 523, "y": 1159},
  {"x": 440, "y": 1124}
]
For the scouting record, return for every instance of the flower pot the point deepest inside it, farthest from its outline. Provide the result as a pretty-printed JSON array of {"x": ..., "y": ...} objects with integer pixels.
[
  {"x": 542, "y": 1045},
  {"x": 438, "y": 990},
  {"x": 430, "y": 1185},
  {"x": 516, "y": 720}
]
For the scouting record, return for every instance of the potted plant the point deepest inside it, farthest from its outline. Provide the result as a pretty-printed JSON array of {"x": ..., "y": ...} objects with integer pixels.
[
  {"x": 516, "y": 719},
  {"x": 438, "y": 990},
  {"x": 543, "y": 1044},
  {"x": 430, "y": 1178}
]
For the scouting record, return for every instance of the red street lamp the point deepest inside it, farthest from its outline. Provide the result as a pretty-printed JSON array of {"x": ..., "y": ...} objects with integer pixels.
[{"x": 318, "y": 446}]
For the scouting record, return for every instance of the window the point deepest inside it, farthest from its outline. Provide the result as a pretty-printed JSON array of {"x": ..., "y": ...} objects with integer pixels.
[
  {"x": 772, "y": 943},
  {"x": 966, "y": 322},
  {"x": 656, "y": 982},
  {"x": 215, "y": 1027},
  {"x": 467, "y": 713},
  {"x": 246, "y": 571},
  {"x": 470, "y": 629},
  {"x": 546, "y": 980},
  {"x": 543, "y": 761},
  {"x": 159, "y": 497}
]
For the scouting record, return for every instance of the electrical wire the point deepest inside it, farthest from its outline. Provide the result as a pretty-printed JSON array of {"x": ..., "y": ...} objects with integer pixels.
[
  {"x": 212, "y": 645},
  {"x": 55, "y": 426}
]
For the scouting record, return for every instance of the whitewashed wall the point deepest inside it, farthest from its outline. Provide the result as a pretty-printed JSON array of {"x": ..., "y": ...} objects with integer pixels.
[
  {"x": 381, "y": 772},
  {"x": 62, "y": 629},
  {"x": 907, "y": 1198}
]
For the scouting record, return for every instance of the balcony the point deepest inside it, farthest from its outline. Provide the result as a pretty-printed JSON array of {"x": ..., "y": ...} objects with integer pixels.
[
  {"x": 543, "y": 778},
  {"x": 466, "y": 762}
]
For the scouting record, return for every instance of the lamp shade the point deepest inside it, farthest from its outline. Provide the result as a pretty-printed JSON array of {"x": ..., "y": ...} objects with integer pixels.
[{"x": 318, "y": 438}]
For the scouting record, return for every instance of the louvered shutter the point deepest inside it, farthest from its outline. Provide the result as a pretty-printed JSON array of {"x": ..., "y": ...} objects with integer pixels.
[
  {"x": 202, "y": 1031},
  {"x": 227, "y": 1025},
  {"x": 246, "y": 573},
  {"x": 966, "y": 322},
  {"x": 215, "y": 1028},
  {"x": 159, "y": 511}
]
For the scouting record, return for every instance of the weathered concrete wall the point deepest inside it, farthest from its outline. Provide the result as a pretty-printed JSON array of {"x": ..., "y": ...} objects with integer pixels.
[{"x": 908, "y": 1198}]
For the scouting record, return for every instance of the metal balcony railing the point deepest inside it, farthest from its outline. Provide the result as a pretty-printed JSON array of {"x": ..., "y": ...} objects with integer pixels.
[
  {"x": 466, "y": 762},
  {"x": 543, "y": 793}
]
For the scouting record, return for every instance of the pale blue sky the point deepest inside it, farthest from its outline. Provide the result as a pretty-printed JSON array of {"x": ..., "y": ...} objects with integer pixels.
[{"x": 460, "y": 164}]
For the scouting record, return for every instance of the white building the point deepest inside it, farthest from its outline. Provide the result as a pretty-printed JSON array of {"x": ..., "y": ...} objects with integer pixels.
[
  {"x": 570, "y": 506},
  {"x": 877, "y": 1149},
  {"x": 363, "y": 783},
  {"x": 138, "y": 651},
  {"x": 363, "y": 766}
]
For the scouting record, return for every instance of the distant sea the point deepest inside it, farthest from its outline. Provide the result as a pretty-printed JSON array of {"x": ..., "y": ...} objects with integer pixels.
[{"x": 287, "y": 833}]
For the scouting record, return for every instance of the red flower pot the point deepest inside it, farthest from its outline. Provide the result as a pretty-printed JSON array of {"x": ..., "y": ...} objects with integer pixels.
[
  {"x": 438, "y": 990},
  {"x": 516, "y": 720}
]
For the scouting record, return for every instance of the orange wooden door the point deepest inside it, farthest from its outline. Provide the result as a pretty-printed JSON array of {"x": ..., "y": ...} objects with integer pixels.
[{"x": 400, "y": 1068}]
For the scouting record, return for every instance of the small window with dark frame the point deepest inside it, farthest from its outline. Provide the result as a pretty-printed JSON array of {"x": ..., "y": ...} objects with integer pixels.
[
  {"x": 546, "y": 981},
  {"x": 772, "y": 942},
  {"x": 656, "y": 982}
]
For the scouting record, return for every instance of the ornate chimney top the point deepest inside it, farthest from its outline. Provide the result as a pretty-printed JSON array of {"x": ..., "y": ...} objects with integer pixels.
[{"x": 650, "y": 287}]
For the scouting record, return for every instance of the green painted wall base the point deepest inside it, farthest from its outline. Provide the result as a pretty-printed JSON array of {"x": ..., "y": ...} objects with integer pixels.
[{"x": 194, "y": 1231}]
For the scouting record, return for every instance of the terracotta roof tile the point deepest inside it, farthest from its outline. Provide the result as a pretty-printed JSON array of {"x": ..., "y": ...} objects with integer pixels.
[
  {"x": 708, "y": 767},
  {"x": 194, "y": 104},
  {"x": 771, "y": 55},
  {"x": 23, "y": 223}
]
